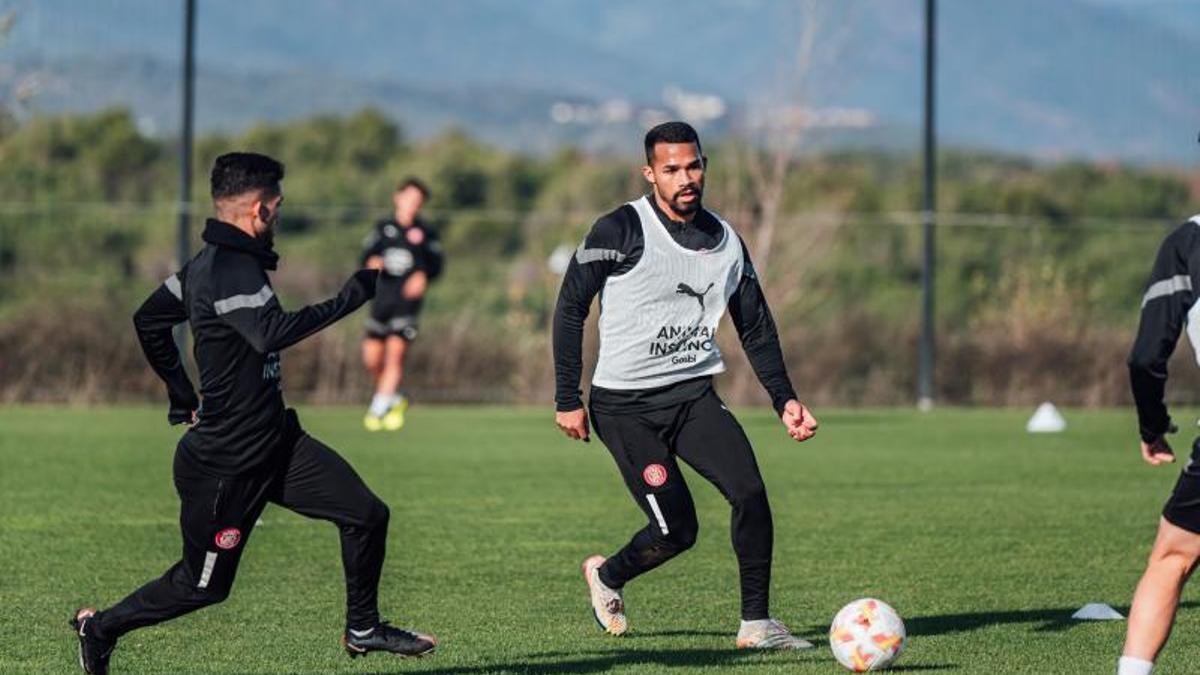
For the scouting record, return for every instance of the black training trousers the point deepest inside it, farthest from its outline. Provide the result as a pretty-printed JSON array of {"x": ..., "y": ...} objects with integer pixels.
[
  {"x": 704, "y": 434},
  {"x": 217, "y": 516}
]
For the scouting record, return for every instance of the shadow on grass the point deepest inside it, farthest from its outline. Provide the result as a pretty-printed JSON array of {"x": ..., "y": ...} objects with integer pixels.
[
  {"x": 676, "y": 633},
  {"x": 654, "y": 660},
  {"x": 1050, "y": 620}
]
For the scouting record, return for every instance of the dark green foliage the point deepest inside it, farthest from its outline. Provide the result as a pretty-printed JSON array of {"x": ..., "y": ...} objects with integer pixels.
[{"x": 1032, "y": 257}]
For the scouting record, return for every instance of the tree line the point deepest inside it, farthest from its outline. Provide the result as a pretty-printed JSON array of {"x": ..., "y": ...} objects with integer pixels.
[{"x": 1041, "y": 265}]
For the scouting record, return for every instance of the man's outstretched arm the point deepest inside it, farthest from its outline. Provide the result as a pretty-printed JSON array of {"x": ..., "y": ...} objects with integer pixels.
[
  {"x": 248, "y": 304},
  {"x": 154, "y": 321}
]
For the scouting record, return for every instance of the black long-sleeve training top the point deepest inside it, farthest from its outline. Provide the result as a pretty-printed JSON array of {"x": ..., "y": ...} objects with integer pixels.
[
  {"x": 239, "y": 328},
  {"x": 621, "y": 231},
  {"x": 1167, "y": 305},
  {"x": 404, "y": 250}
]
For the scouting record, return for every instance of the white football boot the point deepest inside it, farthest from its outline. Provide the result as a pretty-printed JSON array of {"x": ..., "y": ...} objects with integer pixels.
[
  {"x": 608, "y": 607},
  {"x": 768, "y": 634}
]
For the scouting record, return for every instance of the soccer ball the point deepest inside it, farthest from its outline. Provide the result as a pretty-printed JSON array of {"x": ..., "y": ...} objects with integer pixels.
[{"x": 867, "y": 635}]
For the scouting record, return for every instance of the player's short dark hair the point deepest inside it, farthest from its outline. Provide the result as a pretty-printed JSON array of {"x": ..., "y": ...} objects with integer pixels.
[
  {"x": 413, "y": 182},
  {"x": 237, "y": 173},
  {"x": 670, "y": 132}
]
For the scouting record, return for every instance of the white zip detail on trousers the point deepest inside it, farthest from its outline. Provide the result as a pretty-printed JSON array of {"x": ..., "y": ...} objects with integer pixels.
[
  {"x": 210, "y": 560},
  {"x": 658, "y": 514}
]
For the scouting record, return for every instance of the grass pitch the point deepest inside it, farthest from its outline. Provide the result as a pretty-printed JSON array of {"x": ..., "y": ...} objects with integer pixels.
[{"x": 985, "y": 538}]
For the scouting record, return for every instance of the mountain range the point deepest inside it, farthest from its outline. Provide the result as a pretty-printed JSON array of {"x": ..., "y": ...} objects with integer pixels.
[{"x": 1101, "y": 79}]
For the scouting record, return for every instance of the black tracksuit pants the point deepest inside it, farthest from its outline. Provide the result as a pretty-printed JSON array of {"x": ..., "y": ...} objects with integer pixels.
[
  {"x": 217, "y": 516},
  {"x": 704, "y": 434}
]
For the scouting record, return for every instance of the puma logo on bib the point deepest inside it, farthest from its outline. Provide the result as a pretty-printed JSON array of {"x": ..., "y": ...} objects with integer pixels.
[{"x": 684, "y": 289}]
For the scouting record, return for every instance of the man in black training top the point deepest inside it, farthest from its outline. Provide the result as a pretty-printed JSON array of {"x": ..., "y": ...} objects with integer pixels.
[
  {"x": 1168, "y": 305},
  {"x": 244, "y": 447},
  {"x": 667, "y": 269},
  {"x": 409, "y": 256}
]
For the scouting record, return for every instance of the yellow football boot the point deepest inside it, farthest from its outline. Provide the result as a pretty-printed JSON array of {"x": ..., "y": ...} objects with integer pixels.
[{"x": 394, "y": 419}]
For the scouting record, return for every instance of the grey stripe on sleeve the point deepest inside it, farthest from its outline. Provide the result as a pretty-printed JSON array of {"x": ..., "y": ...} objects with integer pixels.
[
  {"x": 1161, "y": 289},
  {"x": 588, "y": 255},
  {"x": 247, "y": 301},
  {"x": 172, "y": 284}
]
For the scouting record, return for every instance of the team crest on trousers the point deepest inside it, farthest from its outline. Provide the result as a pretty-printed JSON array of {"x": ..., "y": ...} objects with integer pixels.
[
  {"x": 228, "y": 538},
  {"x": 655, "y": 475}
]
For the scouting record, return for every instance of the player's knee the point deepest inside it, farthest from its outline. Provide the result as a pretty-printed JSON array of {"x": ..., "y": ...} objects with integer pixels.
[
  {"x": 1142, "y": 361},
  {"x": 667, "y": 546},
  {"x": 683, "y": 536},
  {"x": 209, "y": 588},
  {"x": 210, "y": 594},
  {"x": 680, "y": 532},
  {"x": 372, "y": 359},
  {"x": 1174, "y": 560},
  {"x": 370, "y": 515},
  {"x": 217, "y": 594},
  {"x": 378, "y": 515},
  {"x": 750, "y": 496}
]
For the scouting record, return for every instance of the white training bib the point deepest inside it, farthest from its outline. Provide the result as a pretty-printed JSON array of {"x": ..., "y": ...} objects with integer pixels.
[{"x": 658, "y": 321}]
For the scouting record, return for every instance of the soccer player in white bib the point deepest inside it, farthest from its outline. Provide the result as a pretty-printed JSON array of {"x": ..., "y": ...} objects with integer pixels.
[
  {"x": 666, "y": 270},
  {"x": 1168, "y": 306}
]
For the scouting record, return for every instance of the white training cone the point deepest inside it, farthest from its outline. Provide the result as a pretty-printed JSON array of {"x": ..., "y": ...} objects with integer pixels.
[
  {"x": 1097, "y": 611},
  {"x": 1046, "y": 420}
]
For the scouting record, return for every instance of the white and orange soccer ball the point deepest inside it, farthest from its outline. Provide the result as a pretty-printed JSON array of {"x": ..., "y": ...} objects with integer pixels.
[{"x": 867, "y": 635}]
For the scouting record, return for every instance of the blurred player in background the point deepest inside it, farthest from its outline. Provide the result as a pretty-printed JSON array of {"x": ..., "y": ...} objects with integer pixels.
[
  {"x": 409, "y": 255},
  {"x": 667, "y": 270},
  {"x": 1168, "y": 304}
]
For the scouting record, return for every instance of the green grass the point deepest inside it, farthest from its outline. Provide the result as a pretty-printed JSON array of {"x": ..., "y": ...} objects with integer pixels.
[{"x": 984, "y": 538}]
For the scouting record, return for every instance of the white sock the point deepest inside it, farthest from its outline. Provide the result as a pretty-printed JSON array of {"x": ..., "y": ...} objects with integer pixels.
[
  {"x": 1131, "y": 665},
  {"x": 380, "y": 404}
]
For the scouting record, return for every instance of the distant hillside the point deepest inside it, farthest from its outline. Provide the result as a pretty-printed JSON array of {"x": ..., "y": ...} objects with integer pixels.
[{"x": 1095, "y": 78}]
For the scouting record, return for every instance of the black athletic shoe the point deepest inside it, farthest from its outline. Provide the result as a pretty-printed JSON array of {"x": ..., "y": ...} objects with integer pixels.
[
  {"x": 387, "y": 638},
  {"x": 93, "y": 652}
]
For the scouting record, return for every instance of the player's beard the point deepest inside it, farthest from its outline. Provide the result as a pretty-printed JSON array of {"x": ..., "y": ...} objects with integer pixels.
[
  {"x": 267, "y": 233},
  {"x": 685, "y": 208}
]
